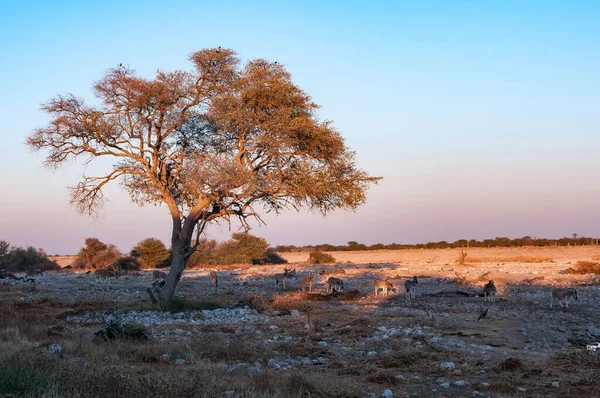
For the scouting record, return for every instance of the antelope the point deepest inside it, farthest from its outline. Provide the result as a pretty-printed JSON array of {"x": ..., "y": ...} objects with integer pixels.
[
  {"x": 334, "y": 284},
  {"x": 563, "y": 294},
  {"x": 213, "y": 279},
  {"x": 489, "y": 292},
  {"x": 307, "y": 281},
  {"x": 411, "y": 287},
  {"x": 157, "y": 275},
  {"x": 104, "y": 274},
  {"x": 383, "y": 285},
  {"x": 32, "y": 273},
  {"x": 282, "y": 278}
]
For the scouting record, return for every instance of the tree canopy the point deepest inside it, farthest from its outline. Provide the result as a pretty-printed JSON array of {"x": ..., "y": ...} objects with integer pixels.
[{"x": 213, "y": 143}]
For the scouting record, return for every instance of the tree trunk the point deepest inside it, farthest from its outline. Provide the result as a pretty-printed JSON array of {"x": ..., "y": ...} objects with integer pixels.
[
  {"x": 181, "y": 239},
  {"x": 178, "y": 261}
]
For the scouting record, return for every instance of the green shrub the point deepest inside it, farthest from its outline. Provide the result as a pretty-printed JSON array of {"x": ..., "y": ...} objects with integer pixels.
[
  {"x": 318, "y": 257},
  {"x": 20, "y": 259},
  {"x": 128, "y": 263},
  {"x": 150, "y": 252},
  {"x": 240, "y": 249}
]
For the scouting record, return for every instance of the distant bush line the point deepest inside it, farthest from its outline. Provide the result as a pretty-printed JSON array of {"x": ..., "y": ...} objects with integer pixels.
[{"x": 497, "y": 242}]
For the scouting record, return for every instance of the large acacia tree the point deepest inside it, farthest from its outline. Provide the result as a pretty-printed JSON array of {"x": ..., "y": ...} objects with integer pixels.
[{"x": 219, "y": 142}]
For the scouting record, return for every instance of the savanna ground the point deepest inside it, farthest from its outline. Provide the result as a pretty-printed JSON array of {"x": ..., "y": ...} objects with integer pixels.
[{"x": 354, "y": 346}]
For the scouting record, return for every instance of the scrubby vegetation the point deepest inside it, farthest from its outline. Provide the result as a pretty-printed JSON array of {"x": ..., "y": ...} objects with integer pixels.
[
  {"x": 18, "y": 259},
  {"x": 318, "y": 257},
  {"x": 240, "y": 249},
  {"x": 584, "y": 267},
  {"x": 96, "y": 254},
  {"x": 150, "y": 253},
  {"x": 128, "y": 263}
]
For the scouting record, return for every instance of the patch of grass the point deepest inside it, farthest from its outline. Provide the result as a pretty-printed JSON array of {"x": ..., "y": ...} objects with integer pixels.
[
  {"x": 584, "y": 267},
  {"x": 24, "y": 377},
  {"x": 515, "y": 259}
]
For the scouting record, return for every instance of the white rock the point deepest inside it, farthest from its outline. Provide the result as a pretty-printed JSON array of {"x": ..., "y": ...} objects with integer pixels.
[
  {"x": 555, "y": 384},
  {"x": 461, "y": 383},
  {"x": 295, "y": 313},
  {"x": 179, "y": 361},
  {"x": 521, "y": 389},
  {"x": 445, "y": 385},
  {"x": 55, "y": 348},
  {"x": 387, "y": 394},
  {"x": 228, "y": 394},
  {"x": 447, "y": 365}
]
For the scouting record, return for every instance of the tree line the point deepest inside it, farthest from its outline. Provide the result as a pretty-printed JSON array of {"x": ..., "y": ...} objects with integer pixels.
[
  {"x": 496, "y": 242},
  {"x": 242, "y": 248}
]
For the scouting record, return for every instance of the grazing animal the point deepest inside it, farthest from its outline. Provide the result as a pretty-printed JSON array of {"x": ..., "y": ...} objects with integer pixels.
[
  {"x": 213, "y": 279},
  {"x": 383, "y": 285},
  {"x": 157, "y": 275},
  {"x": 563, "y": 294},
  {"x": 334, "y": 285},
  {"x": 282, "y": 278},
  {"x": 489, "y": 292},
  {"x": 104, "y": 274},
  {"x": 307, "y": 281},
  {"x": 411, "y": 287},
  {"x": 32, "y": 273}
]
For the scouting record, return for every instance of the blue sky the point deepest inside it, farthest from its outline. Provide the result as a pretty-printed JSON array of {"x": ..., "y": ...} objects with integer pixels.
[{"x": 482, "y": 117}]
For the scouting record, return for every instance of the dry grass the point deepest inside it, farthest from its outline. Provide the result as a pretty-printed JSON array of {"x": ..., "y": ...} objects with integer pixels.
[
  {"x": 483, "y": 277},
  {"x": 461, "y": 279},
  {"x": 584, "y": 267},
  {"x": 515, "y": 259},
  {"x": 462, "y": 256}
]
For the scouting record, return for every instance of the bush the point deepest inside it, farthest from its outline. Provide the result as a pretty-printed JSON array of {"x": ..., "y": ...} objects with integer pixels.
[
  {"x": 150, "y": 252},
  {"x": 128, "y": 263},
  {"x": 96, "y": 254},
  {"x": 20, "y": 259},
  {"x": 318, "y": 257},
  {"x": 584, "y": 267},
  {"x": 240, "y": 249}
]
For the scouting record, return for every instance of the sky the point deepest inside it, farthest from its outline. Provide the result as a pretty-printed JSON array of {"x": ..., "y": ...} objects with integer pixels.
[{"x": 483, "y": 118}]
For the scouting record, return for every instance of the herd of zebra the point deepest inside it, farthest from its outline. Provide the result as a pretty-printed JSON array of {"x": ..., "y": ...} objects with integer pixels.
[{"x": 562, "y": 295}]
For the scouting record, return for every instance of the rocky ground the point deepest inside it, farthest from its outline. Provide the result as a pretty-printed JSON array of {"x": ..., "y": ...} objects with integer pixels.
[{"x": 435, "y": 344}]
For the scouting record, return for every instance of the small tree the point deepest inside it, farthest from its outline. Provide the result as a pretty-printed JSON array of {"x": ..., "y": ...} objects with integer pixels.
[
  {"x": 4, "y": 249},
  {"x": 96, "y": 254},
  {"x": 214, "y": 143},
  {"x": 151, "y": 252},
  {"x": 30, "y": 258}
]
